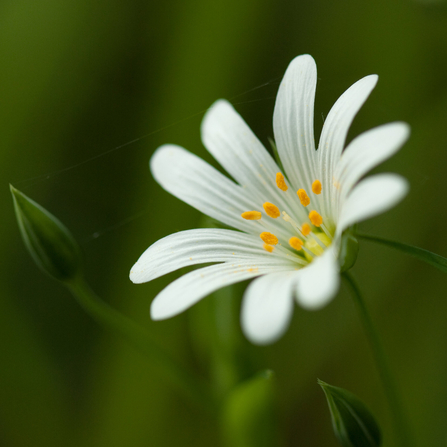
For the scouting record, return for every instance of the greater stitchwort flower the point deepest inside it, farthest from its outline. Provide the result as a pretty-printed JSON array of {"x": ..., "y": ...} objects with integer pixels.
[{"x": 290, "y": 221}]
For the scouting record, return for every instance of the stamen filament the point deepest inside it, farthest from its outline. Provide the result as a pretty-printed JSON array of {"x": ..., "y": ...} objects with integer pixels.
[
  {"x": 263, "y": 224},
  {"x": 319, "y": 241},
  {"x": 308, "y": 251},
  {"x": 289, "y": 220},
  {"x": 326, "y": 231}
]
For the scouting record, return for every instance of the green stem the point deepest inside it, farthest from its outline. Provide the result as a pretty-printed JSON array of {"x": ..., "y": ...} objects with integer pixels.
[
  {"x": 387, "y": 378},
  {"x": 108, "y": 317}
]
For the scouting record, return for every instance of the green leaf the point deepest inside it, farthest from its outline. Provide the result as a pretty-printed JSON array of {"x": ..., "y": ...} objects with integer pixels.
[
  {"x": 423, "y": 255},
  {"x": 353, "y": 423},
  {"x": 49, "y": 242},
  {"x": 248, "y": 417}
]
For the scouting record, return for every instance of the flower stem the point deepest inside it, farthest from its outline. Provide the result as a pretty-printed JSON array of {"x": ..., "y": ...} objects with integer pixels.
[
  {"x": 136, "y": 335},
  {"x": 400, "y": 422}
]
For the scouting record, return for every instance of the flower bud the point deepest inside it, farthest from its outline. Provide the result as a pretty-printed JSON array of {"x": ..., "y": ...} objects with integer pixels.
[{"x": 49, "y": 242}]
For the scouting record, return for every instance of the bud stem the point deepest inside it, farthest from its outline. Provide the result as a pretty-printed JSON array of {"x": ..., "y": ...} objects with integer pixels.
[{"x": 136, "y": 335}]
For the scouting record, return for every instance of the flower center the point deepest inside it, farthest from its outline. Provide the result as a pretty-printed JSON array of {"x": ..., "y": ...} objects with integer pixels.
[{"x": 308, "y": 238}]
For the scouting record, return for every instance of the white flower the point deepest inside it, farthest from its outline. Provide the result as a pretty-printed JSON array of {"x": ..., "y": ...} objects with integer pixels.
[{"x": 290, "y": 223}]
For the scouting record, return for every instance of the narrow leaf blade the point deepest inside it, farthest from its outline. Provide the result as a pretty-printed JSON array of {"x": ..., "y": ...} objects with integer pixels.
[{"x": 419, "y": 253}]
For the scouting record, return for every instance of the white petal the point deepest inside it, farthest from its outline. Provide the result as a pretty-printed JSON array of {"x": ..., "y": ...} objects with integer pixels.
[
  {"x": 267, "y": 307},
  {"x": 367, "y": 151},
  {"x": 319, "y": 281},
  {"x": 340, "y": 117},
  {"x": 372, "y": 196},
  {"x": 231, "y": 142},
  {"x": 192, "y": 287},
  {"x": 189, "y": 178},
  {"x": 200, "y": 246},
  {"x": 293, "y": 121},
  {"x": 335, "y": 129}
]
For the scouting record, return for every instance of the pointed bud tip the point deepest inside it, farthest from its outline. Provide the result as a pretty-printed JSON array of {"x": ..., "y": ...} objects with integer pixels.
[{"x": 48, "y": 241}]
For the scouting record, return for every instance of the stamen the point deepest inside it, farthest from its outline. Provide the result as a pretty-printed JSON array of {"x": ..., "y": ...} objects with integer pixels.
[
  {"x": 319, "y": 241},
  {"x": 269, "y": 238},
  {"x": 305, "y": 229},
  {"x": 286, "y": 217},
  {"x": 304, "y": 198},
  {"x": 268, "y": 248},
  {"x": 315, "y": 218},
  {"x": 326, "y": 231},
  {"x": 271, "y": 210},
  {"x": 316, "y": 187},
  {"x": 289, "y": 220},
  {"x": 251, "y": 215},
  {"x": 296, "y": 243},
  {"x": 281, "y": 182}
]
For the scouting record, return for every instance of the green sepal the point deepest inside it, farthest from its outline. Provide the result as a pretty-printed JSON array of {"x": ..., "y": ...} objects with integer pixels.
[
  {"x": 353, "y": 423},
  {"x": 348, "y": 251},
  {"x": 49, "y": 242},
  {"x": 248, "y": 417},
  {"x": 419, "y": 253}
]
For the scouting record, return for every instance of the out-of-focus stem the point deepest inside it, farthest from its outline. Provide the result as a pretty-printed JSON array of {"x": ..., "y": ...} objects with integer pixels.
[
  {"x": 108, "y": 317},
  {"x": 400, "y": 421}
]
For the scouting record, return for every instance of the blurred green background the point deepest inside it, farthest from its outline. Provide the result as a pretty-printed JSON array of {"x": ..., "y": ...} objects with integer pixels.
[{"x": 79, "y": 79}]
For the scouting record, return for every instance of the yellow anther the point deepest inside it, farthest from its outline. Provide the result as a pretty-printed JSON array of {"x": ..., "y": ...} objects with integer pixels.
[
  {"x": 281, "y": 182},
  {"x": 315, "y": 218},
  {"x": 271, "y": 210},
  {"x": 268, "y": 248},
  {"x": 316, "y": 187},
  {"x": 304, "y": 198},
  {"x": 269, "y": 238},
  {"x": 252, "y": 215},
  {"x": 305, "y": 229},
  {"x": 296, "y": 243}
]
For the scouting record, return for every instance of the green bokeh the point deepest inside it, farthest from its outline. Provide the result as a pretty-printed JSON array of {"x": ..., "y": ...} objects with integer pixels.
[{"x": 79, "y": 79}]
